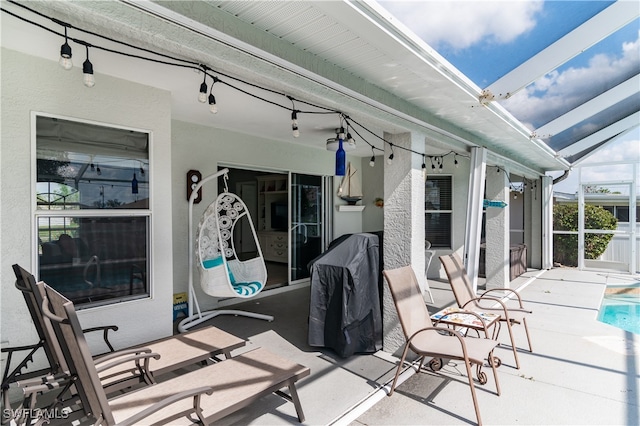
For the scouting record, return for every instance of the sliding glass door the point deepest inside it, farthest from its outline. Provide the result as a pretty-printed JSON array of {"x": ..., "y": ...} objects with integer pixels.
[{"x": 307, "y": 230}]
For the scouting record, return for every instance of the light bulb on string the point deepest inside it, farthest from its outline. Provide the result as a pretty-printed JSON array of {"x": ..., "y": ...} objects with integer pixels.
[
  {"x": 455, "y": 160},
  {"x": 424, "y": 167},
  {"x": 294, "y": 124},
  {"x": 202, "y": 95},
  {"x": 350, "y": 140},
  {"x": 65, "y": 53},
  {"x": 213, "y": 107},
  {"x": 433, "y": 166},
  {"x": 390, "y": 158},
  {"x": 87, "y": 71},
  {"x": 440, "y": 161},
  {"x": 372, "y": 161}
]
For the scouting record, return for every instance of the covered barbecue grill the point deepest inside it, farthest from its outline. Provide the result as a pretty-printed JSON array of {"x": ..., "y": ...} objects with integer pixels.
[{"x": 344, "y": 311}]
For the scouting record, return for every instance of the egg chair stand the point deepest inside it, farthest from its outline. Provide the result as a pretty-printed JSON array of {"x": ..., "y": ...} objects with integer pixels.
[{"x": 222, "y": 274}]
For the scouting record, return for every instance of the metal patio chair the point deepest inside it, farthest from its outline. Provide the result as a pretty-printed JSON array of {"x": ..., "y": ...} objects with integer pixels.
[
  {"x": 467, "y": 299},
  {"x": 426, "y": 340}
]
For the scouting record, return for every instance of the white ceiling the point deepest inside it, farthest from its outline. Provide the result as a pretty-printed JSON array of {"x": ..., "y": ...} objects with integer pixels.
[{"x": 332, "y": 54}]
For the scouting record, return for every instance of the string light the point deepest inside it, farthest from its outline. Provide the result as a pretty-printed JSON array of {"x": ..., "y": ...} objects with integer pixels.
[
  {"x": 350, "y": 140},
  {"x": 424, "y": 166},
  {"x": 455, "y": 160},
  {"x": 202, "y": 96},
  {"x": 213, "y": 107},
  {"x": 65, "y": 61},
  {"x": 372, "y": 161},
  {"x": 65, "y": 53},
  {"x": 87, "y": 71},
  {"x": 294, "y": 124}
]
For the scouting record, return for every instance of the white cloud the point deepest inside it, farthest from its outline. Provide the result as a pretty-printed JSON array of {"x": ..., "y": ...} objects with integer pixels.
[
  {"x": 558, "y": 92},
  {"x": 460, "y": 24}
]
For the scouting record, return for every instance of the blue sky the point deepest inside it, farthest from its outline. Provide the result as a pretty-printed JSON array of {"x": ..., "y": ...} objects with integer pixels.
[{"x": 487, "y": 39}]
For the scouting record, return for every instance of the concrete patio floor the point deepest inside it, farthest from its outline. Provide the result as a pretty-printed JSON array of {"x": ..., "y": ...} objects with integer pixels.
[{"x": 582, "y": 371}]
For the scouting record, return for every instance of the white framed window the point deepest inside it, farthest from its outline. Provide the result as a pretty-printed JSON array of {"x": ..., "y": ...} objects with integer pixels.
[
  {"x": 438, "y": 208},
  {"x": 92, "y": 214}
]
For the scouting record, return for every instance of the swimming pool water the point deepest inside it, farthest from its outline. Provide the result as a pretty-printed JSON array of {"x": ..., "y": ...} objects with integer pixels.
[{"x": 622, "y": 311}]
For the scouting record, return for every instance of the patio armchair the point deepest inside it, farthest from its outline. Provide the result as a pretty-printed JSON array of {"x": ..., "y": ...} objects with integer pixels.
[
  {"x": 439, "y": 342},
  {"x": 117, "y": 370},
  {"x": 467, "y": 299},
  {"x": 208, "y": 393}
]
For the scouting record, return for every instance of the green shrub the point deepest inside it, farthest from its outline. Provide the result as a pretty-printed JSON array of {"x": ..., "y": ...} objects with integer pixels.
[{"x": 565, "y": 218}]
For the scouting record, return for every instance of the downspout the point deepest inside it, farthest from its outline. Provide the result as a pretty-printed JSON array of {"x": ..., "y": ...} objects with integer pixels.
[{"x": 562, "y": 177}]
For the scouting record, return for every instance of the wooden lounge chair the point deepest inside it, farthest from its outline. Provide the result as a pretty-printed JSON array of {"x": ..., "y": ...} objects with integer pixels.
[
  {"x": 203, "y": 395},
  {"x": 440, "y": 342},
  {"x": 119, "y": 369},
  {"x": 467, "y": 299}
]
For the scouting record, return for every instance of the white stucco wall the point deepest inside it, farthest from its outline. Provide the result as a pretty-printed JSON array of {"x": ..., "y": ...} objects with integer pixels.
[
  {"x": 373, "y": 187},
  {"x": 32, "y": 84},
  {"x": 203, "y": 148}
]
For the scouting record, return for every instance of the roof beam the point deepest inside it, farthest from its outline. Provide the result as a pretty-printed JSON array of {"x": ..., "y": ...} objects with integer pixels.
[
  {"x": 590, "y": 108},
  {"x": 586, "y": 35},
  {"x": 619, "y": 127}
]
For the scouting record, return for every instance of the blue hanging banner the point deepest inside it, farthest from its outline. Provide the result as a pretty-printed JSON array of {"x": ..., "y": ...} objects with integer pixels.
[{"x": 489, "y": 203}]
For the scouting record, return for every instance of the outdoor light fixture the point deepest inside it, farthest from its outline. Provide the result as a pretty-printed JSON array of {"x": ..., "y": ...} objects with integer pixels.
[
  {"x": 294, "y": 124},
  {"x": 213, "y": 108},
  {"x": 332, "y": 143},
  {"x": 87, "y": 71},
  {"x": 202, "y": 96},
  {"x": 341, "y": 159},
  {"x": 65, "y": 53},
  {"x": 350, "y": 141},
  {"x": 424, "y": 167},
  {"x": 342, "y": 142}
]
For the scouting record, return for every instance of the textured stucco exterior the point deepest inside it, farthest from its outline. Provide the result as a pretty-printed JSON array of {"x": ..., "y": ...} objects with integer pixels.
[
  {"x": 404, "y": 224},
  {"x": 31, "y": 85}
]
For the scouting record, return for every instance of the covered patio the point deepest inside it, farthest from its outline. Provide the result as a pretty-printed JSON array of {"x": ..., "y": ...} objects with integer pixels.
[
  {"x": 582, "y": 371},
  {"x": 316, "y": 65}
]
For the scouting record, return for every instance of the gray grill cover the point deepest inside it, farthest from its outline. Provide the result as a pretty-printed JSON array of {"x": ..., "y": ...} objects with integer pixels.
[{"x": 344, "y": 311}]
